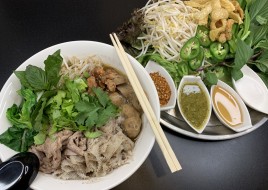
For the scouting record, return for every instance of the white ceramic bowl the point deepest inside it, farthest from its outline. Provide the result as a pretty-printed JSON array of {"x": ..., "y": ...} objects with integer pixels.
[
  {"x": 152, "y": 67},
  {"x": 201, "y": 86},
  {"x": 252, "y": 90},
  {"x": 233, "y": 104},
  {"x": 144, "y": 143}
]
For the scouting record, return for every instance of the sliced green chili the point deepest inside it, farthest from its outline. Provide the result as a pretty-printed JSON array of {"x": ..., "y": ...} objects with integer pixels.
[
  {"x": 202, "y": 33},
  {"x": 197, "y": 62},
  {"x": 219, "y": 50},
  {"x": 190, "y": 49}
]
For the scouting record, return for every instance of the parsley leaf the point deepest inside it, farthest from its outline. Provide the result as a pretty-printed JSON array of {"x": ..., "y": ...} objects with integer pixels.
[{"x": 96, "y": 110}]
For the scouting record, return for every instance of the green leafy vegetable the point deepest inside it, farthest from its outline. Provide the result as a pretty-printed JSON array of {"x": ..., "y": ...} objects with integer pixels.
[
  {"x": 38, "y": 79},
  {"x": 17, "y": 138},
  {"x": 243, "y": 53},
  {"x": 97, "y": 111},
  {"x": 171, "y": 67},
  {"x": 75, "y": 88},
  {"x": 21, "y": 117},
  {"x": 129, "y": 32},
  {"x": 258, "y": 9},
  {"x": 22, "y": 77},
  {"x": 211, "y": 78},
  {"x": 52, "y": 68},
  {"x": 93, "y": 134}
]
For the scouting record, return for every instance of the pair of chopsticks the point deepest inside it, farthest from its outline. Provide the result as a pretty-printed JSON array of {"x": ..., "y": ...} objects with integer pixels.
[{"x": 161, "y": 139}]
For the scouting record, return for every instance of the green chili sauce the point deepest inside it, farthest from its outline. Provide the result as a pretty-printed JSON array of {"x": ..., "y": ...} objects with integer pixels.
[{"x": 194, "y": 104}]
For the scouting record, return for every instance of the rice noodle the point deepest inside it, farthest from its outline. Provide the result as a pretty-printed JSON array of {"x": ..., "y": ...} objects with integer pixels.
[{"x": 168, "y": 25}]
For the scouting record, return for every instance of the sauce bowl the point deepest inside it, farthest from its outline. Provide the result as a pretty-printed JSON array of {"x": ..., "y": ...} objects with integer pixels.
[
  {"x": 194, "y": 102},
  {"x": 152, "y": 67},
  {"x": 229, "y": 107},
  {"x": 252, "y": 90}
]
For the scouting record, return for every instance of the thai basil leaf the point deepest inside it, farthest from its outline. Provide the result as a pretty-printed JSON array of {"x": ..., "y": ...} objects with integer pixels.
[{"x": 52, "y": 68}]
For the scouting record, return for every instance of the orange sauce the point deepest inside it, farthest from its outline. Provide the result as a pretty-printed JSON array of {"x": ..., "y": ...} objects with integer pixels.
[{"x": 227, "y": 106}]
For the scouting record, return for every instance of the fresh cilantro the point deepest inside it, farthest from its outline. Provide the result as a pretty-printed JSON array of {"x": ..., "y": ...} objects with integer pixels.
[
  {"x": 96, "y": 111},
  {"x": 105, "y": 114},
  {"x": 40, "y": 138},
  {"x": 103, "y": 98}
]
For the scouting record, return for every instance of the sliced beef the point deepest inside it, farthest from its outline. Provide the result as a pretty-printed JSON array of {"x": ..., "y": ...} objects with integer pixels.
[
  {"x": 77, "y": 143},
  {"x": 49, "y": 153}
]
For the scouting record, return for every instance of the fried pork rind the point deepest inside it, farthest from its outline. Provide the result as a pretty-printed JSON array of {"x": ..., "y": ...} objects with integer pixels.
[
  {"x": 222, "y": 13},
  {"x": 194, "y": 4},
  {"x": 228, "y": 30},
  {"x": 202, "y": 16},
  {"x": 237, "y": 14},
  {"x": 218, "y": 14},
  {"x": 215, "y": 4},
  {"x": 228, "y": 5},
  {"x": 216, "y": 28}
]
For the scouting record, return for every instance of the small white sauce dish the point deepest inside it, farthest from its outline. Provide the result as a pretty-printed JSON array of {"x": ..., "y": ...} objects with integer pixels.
[
  {"x": 152, "y": 67},
  {"x": 252, "y": 90},
  {"x": 193, "y": 96},
  {"x": 229, "y": 107}
]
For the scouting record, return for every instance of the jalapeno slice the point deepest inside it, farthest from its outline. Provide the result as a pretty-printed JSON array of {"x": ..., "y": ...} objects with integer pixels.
[
  {"x": 183, "y": 68},
  {"x": 219, "y": 50},
  {"x": 190, "y": 49},
  {"x": 202, "y": 33},
  {"x": 197, "y": 62}
]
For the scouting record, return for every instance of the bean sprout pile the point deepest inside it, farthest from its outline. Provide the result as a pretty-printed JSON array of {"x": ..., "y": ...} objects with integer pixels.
[{"x": 168, "y": 25}]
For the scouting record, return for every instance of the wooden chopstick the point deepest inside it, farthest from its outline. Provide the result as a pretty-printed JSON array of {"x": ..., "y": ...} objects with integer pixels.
[{"x": 161, "y": 139}]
